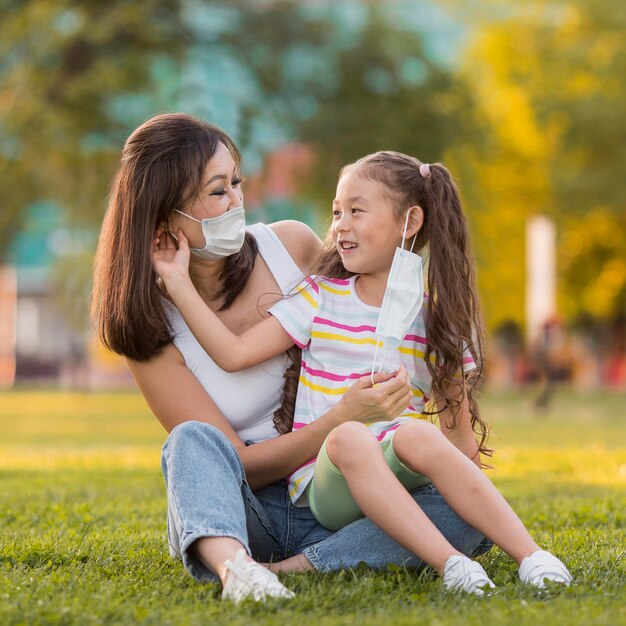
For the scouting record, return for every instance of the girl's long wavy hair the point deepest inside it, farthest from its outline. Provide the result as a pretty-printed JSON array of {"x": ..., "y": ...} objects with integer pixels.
[
  {"x": 161, "y": 170},
  {"x": 452, "y": 311}
]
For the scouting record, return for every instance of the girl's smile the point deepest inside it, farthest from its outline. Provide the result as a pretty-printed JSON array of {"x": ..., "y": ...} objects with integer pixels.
[
  {"x": 346, "y": 247},
  {"x": 365, "y": 230}
]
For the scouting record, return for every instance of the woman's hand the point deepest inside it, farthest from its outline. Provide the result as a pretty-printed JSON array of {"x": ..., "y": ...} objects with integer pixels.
[
  {"x": 169, "y": 262},
  {"x": 384, "y": 400}
]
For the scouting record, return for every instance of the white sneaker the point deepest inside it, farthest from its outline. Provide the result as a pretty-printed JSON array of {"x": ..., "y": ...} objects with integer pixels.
[
  {"x": 541, "y": 566},
  {"x": 463, "y": 574},
  {"x": 249, "y": 579}
]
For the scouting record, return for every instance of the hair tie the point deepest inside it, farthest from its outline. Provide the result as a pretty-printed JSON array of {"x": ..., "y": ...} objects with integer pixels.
[{"x": 425, "y": 170}]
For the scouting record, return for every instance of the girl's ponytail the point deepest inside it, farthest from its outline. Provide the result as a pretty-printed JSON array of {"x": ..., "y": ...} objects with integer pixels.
[{"x": 453, "y": 320}]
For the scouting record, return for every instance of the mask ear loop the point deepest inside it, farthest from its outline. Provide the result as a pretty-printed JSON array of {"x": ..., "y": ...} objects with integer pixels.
[
  {"x": 191, "y": 217},
  {"x": 406, "y": 225},
  {"x": 378, "y": 342}
]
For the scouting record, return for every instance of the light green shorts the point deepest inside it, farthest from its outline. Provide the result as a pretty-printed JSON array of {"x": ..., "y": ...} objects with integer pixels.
[{"x": 329, "y": 496}]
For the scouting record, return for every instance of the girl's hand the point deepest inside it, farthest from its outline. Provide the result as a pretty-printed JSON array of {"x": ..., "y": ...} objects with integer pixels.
[
  {"x": 171, "y": 264},
  {"x": 383, "y": 401}
]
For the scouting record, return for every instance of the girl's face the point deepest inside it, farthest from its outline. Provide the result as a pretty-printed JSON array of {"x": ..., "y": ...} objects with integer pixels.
[
  {"x": 220, "y": 191},
  {"x": 365, "y": 229}
]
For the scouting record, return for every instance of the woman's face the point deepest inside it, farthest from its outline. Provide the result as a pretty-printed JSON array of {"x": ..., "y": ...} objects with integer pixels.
[{"x": 220, "y": 191}]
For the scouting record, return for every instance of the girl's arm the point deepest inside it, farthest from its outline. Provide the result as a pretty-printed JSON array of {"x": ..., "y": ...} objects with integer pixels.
[
  {"x": 462, "y": 436},
  {"x": 231, "y": 352},
  {"x": 175, "y": 395}
]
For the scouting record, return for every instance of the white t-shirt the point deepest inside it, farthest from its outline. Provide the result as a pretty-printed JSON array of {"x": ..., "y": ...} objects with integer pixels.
[{"x": 248, "y": 399}]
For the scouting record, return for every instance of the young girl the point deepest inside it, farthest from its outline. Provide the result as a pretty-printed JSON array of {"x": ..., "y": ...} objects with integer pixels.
[{"x": 345, "y": 318}]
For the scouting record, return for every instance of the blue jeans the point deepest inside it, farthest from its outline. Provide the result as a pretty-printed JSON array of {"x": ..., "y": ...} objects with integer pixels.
[{"x": 208, "y": 496}]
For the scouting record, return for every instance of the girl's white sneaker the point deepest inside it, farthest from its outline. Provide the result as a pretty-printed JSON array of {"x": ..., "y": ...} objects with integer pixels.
[
  {"x": 249, "y": 579},
  {"x": 460, "y": 572},
  {"x": 541, "y": 566}
]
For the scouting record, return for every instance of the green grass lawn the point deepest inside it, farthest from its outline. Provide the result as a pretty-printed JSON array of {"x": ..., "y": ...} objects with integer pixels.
[{"x": 83, "y": 538}]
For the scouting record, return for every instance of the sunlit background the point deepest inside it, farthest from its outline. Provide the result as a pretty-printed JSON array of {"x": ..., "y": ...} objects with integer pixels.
[{"x": 524, "y": 101}]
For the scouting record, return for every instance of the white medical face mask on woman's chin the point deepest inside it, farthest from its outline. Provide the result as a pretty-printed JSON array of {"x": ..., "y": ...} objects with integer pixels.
[
  {"x": 403, "y": 299},
  {"x": 223, "y": 235}
]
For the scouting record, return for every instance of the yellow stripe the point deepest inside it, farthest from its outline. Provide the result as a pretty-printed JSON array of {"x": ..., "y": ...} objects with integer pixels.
[
  {"x": 339, "y": 292},
  {"x": 307, "y": 296},
  {"x": 296, "y": 484},
  {"x": 417, "y": 392},
  {"x": 417, "y": 416},
  {"x": 336, "y": 337},
  {"x": 314, "y": 387},
  {"x": 416, "y": 353}
]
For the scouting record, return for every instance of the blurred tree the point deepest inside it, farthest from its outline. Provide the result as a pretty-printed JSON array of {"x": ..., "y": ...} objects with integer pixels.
[
  {"x": 76, "y": 77},
  {"x": 551, "y": 87},
  {"x": 61, "y": 63},
  {"x": 580, "y": 95},
  {"x": 504, "y": 173},
  {"x": 386, "y": 92}
]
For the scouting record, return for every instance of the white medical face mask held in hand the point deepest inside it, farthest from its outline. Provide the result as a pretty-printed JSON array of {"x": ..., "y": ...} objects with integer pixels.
[
  {"x": 223, "y": 235},
  {"x": 403, "y": 299}
]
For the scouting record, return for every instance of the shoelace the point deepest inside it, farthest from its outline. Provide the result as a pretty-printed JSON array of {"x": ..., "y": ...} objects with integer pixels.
[
  {"x": 554, "y": 569},
  {"x": 467, "y": 575},
  {"x": 467, "y": 578},
  {"x": 256, "y": 574},
  {"x": 541, "y": 565}
]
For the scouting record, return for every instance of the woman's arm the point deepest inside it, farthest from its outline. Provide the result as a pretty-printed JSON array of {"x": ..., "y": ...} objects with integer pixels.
[
  {"x": 175, "y": 395},
  {"x": 462, "y": 436},
  {"x": 231, "y": 352}
]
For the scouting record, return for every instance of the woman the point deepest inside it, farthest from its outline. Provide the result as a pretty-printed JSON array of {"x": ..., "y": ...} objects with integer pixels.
[{"x": 226, "y": 499}]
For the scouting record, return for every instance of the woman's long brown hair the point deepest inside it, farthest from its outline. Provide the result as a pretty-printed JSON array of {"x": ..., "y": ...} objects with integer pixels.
[
  {"x": 162, "y": 168},
  {"x": 452, "y": 311}
]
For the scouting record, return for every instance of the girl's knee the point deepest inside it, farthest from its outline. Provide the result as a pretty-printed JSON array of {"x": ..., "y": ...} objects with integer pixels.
[
  {"x": 349, "y": 440},
  {"x": 419, "y": 437}
]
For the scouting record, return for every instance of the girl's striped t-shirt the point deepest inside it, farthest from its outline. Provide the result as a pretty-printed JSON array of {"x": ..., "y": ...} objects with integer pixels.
[{"x": 336, "y": 331}]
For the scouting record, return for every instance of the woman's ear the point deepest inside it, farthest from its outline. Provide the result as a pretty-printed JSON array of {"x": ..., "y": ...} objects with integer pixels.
[{"x": 416, "y": 221}]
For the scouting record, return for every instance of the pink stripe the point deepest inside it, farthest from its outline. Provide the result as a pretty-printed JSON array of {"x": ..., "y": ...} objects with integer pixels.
[
  {"x": 469, "y": 359},
  {"x": 416, "y": 338},
  {"x": 381, "y": 435},
  {"x": 329, "y": 375},
  {"x": 337, "y": 281},
  {"x": 354, "y": 329},
  {"x": 311, "y": 281},
  {"x": 297, "y": 425}
]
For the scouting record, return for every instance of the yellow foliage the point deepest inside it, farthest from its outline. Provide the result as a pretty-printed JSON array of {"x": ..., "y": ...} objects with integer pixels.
[
  {"x": 511, "y": 66},
  {"x": 509, "y": 178},
  {"x": 601, "y": 236}
]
